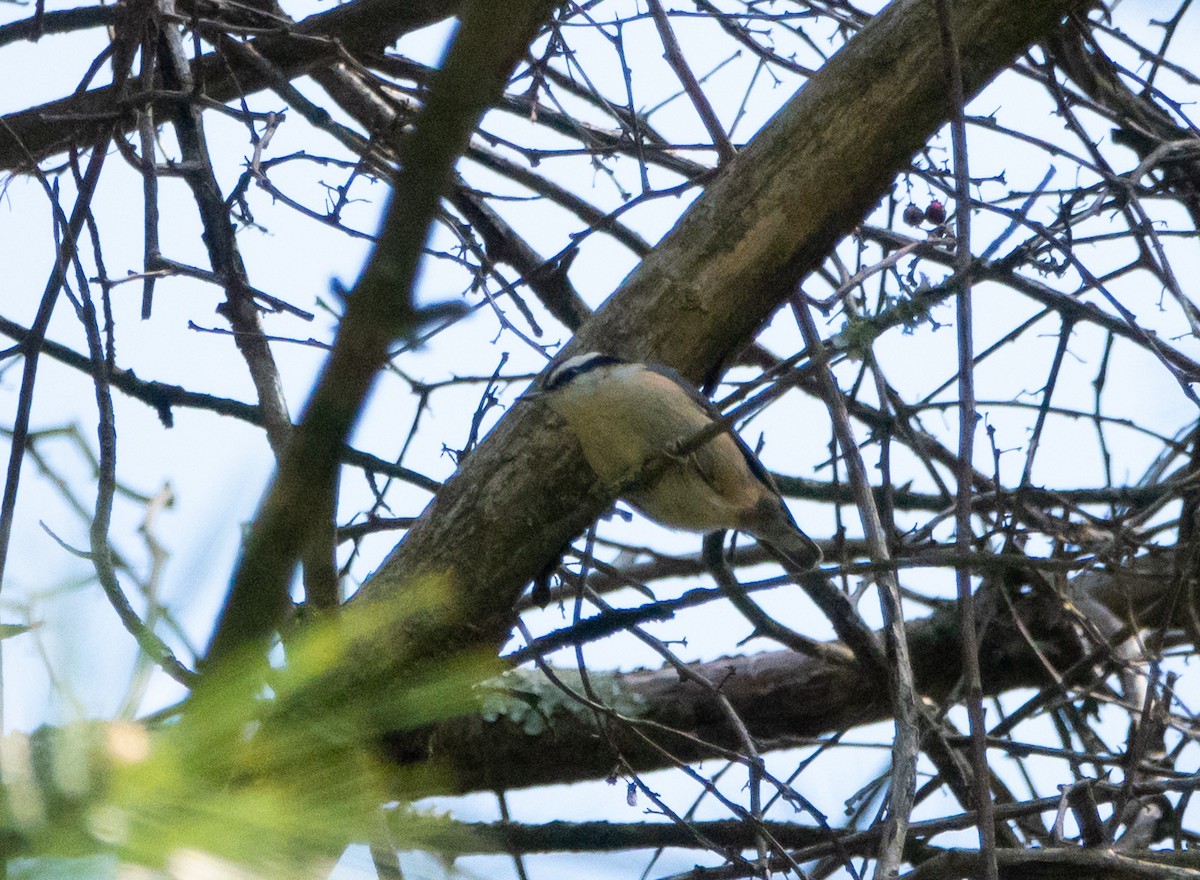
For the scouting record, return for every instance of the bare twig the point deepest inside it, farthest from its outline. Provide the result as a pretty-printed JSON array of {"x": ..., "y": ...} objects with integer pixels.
[
  {"x": 37, "y": 334},
  {"x": 901, "y": 684},
  {"x": 380, "y": 309},
  {"x": 981, "y": 790},
  {"x": 674, "y": 56}
]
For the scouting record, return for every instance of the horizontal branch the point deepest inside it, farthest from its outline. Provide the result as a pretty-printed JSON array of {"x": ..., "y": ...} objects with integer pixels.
[
  {"x": 907, "y": 499},
  {"x": 785, "y": 699},
  {"x": 164, "y": 397},
  {"x": 62, "y": 21},
  {"x": 1002, "y": 272},
  {"x": 29, "y": 136},
  {"x": 516, "y": 837},
  {"x": 806, "y": 841}
]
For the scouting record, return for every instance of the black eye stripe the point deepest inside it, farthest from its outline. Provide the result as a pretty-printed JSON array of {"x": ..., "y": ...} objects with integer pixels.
[{"x": 564, "y": 374}]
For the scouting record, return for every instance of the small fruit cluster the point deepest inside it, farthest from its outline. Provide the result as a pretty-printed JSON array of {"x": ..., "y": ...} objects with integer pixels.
[{"x": 935, "y": 214}]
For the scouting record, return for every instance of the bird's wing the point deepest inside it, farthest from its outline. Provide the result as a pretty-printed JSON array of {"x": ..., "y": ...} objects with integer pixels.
[{"x": 704, "y": 463}]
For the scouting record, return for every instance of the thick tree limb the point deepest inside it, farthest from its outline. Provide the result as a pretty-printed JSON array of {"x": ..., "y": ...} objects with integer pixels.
[{"x": 784, "y": 698}]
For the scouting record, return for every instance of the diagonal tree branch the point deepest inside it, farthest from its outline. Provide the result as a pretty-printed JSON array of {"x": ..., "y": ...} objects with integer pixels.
[
  {"x": 767, "y": 220},
  {"x": 379, "y": 310}
]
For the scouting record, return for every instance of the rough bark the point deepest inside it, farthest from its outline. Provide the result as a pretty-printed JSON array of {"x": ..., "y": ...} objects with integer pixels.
[{"x": 785, "y": 699}]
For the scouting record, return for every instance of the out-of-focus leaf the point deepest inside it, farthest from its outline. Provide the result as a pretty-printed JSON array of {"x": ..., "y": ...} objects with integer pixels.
[
  {"x": 269, "y": 771},
  {"x": 8, "y": 630}
]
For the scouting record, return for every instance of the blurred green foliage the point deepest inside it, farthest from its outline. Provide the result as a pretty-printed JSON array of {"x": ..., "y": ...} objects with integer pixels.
[{"x": 267, "y": 770}]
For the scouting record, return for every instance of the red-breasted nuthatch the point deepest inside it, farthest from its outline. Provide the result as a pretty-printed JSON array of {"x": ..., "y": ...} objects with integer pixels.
[{"x": 626, "y": 414}]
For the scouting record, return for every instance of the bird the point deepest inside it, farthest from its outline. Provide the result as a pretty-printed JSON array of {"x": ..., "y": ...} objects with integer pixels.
[{"x": 630, "y": 416}]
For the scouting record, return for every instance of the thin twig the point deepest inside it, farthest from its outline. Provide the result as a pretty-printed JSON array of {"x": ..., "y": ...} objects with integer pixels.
[
  {"x": 32, "y": 346},
  {"x": 488, "y": 43},
  {"x": 967, "y": 418},
  {"x": 902, "y": 687},
  {"x": 674, "y": 55}
]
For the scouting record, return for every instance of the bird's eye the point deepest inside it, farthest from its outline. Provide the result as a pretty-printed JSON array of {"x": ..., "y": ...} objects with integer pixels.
[
  {"x": 561, "y": 377},
  {"x": 577, "y": 367}
]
